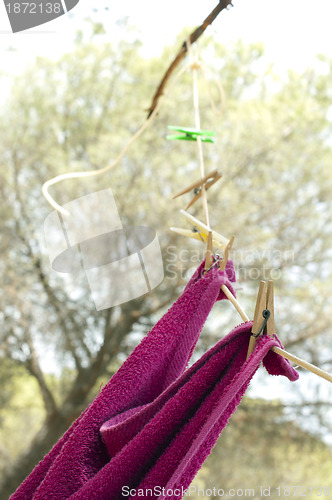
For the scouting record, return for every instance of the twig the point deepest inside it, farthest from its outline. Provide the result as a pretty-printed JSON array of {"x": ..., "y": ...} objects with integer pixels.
[
  {"x": 235, "y": 303},
  {"x": 304, "y": 364},
  {"x": 223, "y": 4}
]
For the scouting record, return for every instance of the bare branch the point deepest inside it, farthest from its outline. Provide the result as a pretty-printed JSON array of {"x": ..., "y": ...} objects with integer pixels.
[
  {"x": 33, "y": 367},
  {"x": 223, "y": 4},
  {"x": 42, "y": 277}
]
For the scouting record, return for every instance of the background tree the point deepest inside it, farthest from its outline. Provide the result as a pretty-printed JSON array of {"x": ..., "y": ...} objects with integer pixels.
[
  {"x": 260, "y": 448},
  {"x": 274, "y": 150}
]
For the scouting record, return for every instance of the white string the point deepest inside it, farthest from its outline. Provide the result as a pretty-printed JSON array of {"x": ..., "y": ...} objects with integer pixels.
[
  {"x": 73, "y": 175},
  {"x": 194, "y": 67},
  {"x": 205, "y": 71}
]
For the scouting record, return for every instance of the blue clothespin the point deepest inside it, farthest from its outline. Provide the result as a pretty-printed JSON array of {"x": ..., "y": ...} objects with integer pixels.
[{"x": 191, "y": 134}]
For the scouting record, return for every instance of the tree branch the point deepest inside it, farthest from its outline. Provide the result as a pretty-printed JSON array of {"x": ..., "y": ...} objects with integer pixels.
[
  {"x": 183, "y": 50},
  {"x": 33, "y": 367},
  {"x": 87, "y": 378},
  {"x": 38, "y": 266}
]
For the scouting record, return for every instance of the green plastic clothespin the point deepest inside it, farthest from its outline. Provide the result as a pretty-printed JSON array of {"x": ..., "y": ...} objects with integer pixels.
[{"x": 191, "y": 134}]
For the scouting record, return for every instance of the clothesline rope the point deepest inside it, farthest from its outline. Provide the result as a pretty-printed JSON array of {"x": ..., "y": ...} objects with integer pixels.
[
  {"x": 307, "y": 366},
  {"x": 146, "y": 124},
  {"x": 91, "y": 173},
  {"x": 235, "y": 303},
  {"x": 194, "y": 67}
]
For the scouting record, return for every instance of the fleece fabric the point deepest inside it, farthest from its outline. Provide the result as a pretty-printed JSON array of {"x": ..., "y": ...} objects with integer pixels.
[
  {"x": 154, "y": 365},
  {"x": 164, "y": 443}
]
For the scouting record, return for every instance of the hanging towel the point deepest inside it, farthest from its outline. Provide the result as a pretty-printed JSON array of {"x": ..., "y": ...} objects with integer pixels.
[
  {"x": 156, "y": 362},
  {"x": 164, "y": 443}
]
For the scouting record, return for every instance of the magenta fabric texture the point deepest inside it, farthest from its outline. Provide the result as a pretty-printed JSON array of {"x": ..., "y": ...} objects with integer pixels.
[
  {"x": 154, "y": 365},
  {"x": 164, "y": 443}
]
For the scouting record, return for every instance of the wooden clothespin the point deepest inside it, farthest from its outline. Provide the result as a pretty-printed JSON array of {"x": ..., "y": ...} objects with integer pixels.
[
  {"x": 204, "y": 229},
  {"x": 196, "y": 187},
  {"x": 197, "y": 235},
  {"x": 264, "y": 322},
  {"x": 224, "y": 260},
  {"x": 209, "y": 253},
  {"x": 264, "y": 315},
  {"x": 191, "y": 134}
]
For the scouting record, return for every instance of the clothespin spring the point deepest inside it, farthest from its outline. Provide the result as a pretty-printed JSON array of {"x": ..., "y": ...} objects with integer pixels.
[
  {"x": 266, "y": 314},
  {"x": 217, "y": 259},
  {"x": 196, "y": 230}
]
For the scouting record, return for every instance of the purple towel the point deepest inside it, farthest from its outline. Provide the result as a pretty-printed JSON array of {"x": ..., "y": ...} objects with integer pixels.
[
  {"x": 156, "y": 362},
  {"x": 164, "y": 443}
]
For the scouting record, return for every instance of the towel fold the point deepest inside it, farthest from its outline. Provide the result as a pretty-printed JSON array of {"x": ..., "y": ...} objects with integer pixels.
[
  {"x": 164, "y": 443},
  {"x": 154, "y": 365}
]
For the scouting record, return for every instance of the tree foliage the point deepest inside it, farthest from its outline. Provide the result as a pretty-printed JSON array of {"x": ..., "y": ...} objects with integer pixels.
[
  {"x": 274, "y": 149},
  {"x": 259, "y": 448}
]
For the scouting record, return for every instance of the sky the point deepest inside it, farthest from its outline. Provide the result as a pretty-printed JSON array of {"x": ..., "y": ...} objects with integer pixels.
[{"x": 293, "y": 31}]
